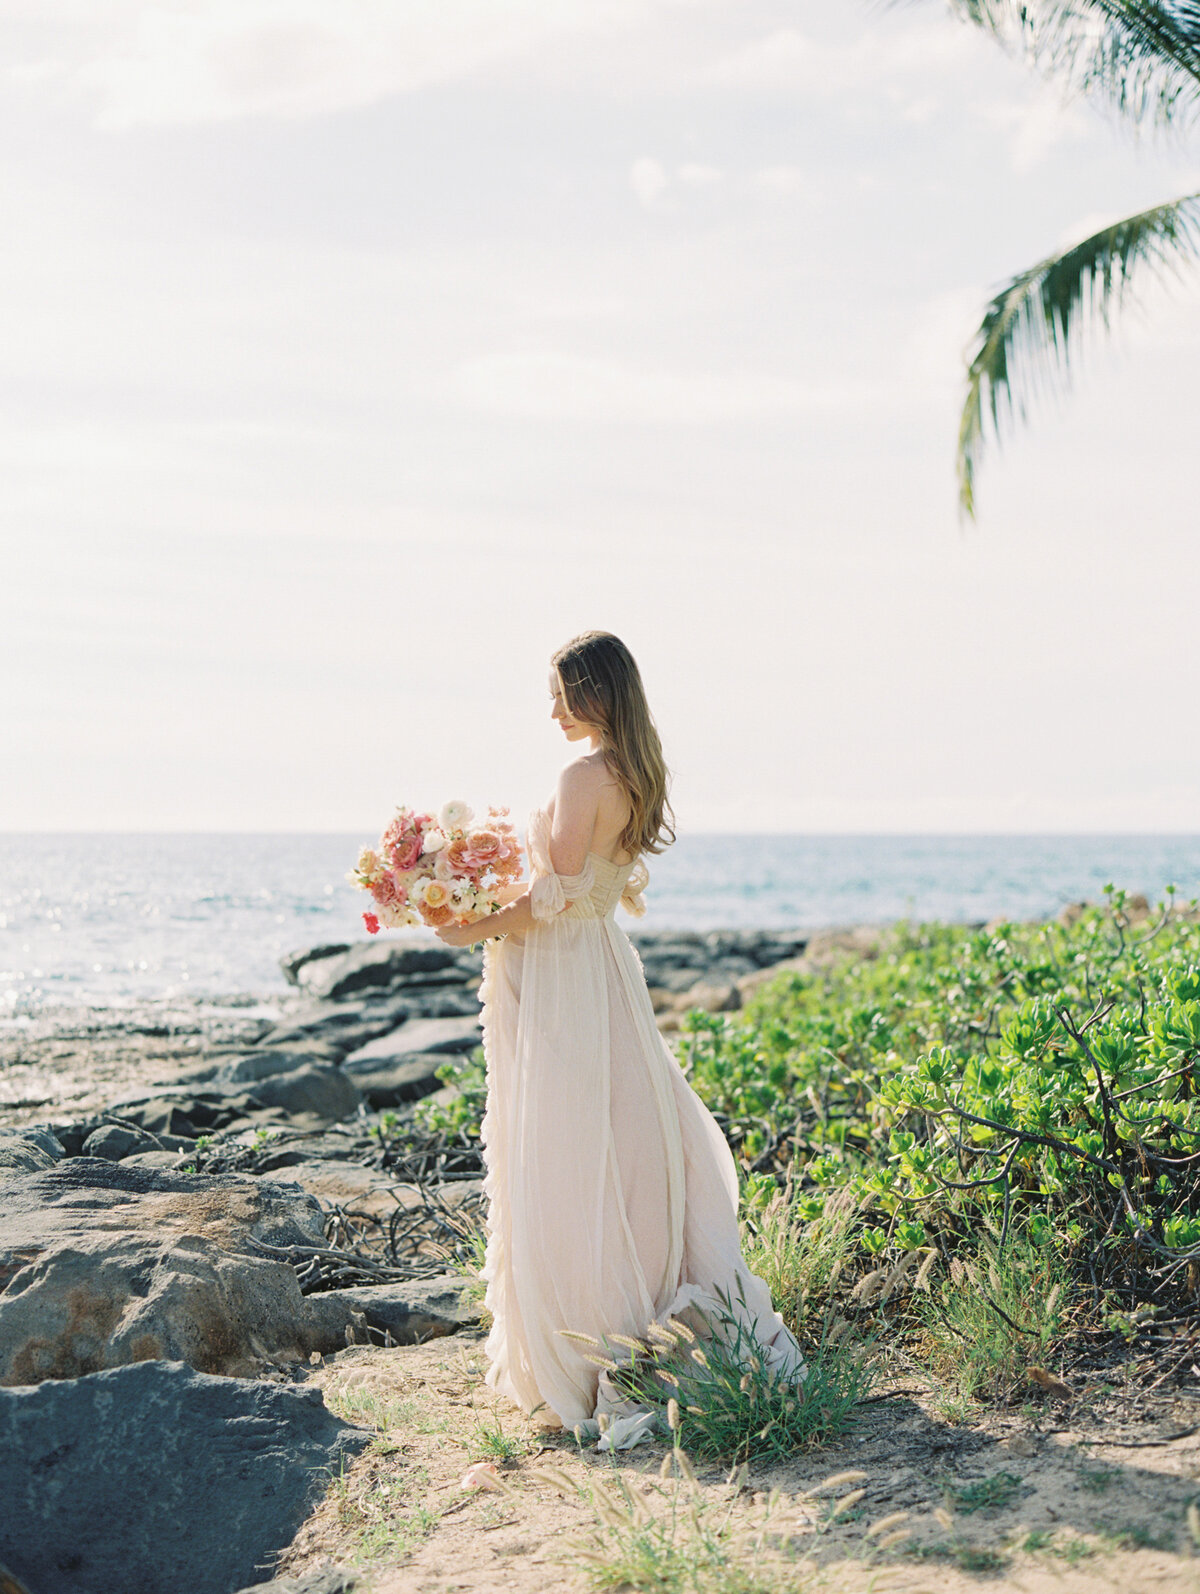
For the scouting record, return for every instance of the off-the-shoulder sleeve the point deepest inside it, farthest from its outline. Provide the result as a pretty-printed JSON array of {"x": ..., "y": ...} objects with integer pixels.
[
  {"x": 549, "y": 892},
  {"x": 631, "y": 897}
]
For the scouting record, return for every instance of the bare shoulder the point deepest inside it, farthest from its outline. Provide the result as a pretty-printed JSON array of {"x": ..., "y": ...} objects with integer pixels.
[{"x": 584, "y": 776}]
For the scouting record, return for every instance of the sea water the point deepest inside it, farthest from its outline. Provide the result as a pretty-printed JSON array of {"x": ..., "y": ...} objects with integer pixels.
[{"x": 109, "y": 920}]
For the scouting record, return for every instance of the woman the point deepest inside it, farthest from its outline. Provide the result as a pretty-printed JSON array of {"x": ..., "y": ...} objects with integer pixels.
[{"x": 612, "y": 1194}]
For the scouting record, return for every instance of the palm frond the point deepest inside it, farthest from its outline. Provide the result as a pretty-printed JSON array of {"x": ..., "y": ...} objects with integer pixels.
[
  {"x": 1142, "y": 55},
  {"x": 1032, "y": 325}
]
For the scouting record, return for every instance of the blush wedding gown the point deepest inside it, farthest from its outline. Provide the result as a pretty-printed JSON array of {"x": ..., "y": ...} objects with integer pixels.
[{"x": 611, "y": 1191}]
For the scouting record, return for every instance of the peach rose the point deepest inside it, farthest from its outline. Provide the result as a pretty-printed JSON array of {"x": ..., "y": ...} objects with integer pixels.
[
  {"x": 483, "y": 849},
  {"x": 436, "y": 916},
  {"x": 458, "y": 855}
]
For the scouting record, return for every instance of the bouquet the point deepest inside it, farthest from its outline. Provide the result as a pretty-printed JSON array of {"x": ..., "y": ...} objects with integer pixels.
[{"x": 438, "y": 871}]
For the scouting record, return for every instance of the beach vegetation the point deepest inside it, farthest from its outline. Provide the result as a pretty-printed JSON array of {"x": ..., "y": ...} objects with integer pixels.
[{"x": 970, "y": 1142}]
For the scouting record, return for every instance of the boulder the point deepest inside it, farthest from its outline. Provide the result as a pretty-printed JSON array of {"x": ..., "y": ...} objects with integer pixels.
[
  {"x": 244, "y": 1068},
  {"x": 106, "y": 1300},
  {"x": 411, "y": 1312},
  {"x": 454, "y": 1002},
  {"x": 339, "y": 1027},
  {"x": 41, "y": 1135},
  {"x": 829, "y": 947},
  {"x": 292, "y": 962},
  {"x": 388, "y": 1083},
  {"x": 115, "y": 1141},
  {"x": 105, "y": 1263},
  {"x": 28, "y": 1151},
  {"x": 675, "y": 980},
  {"x": 375, "y": 964},
  {"x": 316, "y": 1091},
  {"x": 155, "y": 1159},
  {"x": 157, "y": 1478},
  {"x": 81, "y": 1195},
  {"x": 420, "y": 1036},
  {"x": 709, "y": 998},
  {"x": 326, "y": 1580}
]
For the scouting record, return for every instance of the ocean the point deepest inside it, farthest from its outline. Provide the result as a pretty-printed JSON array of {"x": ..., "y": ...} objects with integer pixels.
[{"x": 113, "y": 920}]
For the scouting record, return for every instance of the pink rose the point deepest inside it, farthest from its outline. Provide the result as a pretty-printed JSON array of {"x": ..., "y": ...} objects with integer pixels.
[
  {"x": 384, "y": 891},
  {"x": 406, "y": 852}
]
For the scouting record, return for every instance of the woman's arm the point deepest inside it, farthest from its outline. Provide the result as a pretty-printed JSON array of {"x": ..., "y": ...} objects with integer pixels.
[
  {"x": 576, "y": 803},
  {"x": 518, "y": 917},
  {"x": 510, "y": 892}
]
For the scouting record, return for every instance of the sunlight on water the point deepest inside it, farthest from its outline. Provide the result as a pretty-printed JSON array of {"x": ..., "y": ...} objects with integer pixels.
[{"x": 106, "y": 920}]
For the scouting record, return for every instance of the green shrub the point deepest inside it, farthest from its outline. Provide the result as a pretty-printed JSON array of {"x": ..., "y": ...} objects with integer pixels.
[{"x": 1039, "y": 1076}]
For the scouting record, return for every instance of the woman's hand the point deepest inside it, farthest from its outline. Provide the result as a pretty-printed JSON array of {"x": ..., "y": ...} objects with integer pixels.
[{"x": 460, "y": 934}]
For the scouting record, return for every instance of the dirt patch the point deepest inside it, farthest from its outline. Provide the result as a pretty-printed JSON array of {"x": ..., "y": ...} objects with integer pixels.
[{"x": 1026, "y": 1501}]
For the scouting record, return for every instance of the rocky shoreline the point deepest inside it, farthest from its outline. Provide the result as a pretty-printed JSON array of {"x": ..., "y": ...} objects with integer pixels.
[{"x": 204, "y": 1202}]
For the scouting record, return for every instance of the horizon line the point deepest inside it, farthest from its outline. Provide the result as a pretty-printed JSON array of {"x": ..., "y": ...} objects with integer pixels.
[{"x": 818, "y": 834}]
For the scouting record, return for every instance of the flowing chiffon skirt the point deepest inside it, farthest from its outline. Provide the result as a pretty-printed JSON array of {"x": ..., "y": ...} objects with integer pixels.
[{"x": 612, "y": 1193}]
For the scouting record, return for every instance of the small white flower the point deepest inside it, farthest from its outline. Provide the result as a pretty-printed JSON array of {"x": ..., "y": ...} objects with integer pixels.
[
  {"x": 435, "y": 840},
  {"x": 455, "y": 815},
  {"x": 463, "y": 898},
  {"x": 416, "y": 894}
]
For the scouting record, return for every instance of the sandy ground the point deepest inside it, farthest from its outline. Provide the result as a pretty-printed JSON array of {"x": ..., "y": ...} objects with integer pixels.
[{"x": 1090, "y": 1505}]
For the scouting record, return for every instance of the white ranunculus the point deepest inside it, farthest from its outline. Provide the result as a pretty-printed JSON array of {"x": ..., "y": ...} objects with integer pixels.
[
  {"x": 435, "y": 840},
  {"x": 455, "y": 815}
]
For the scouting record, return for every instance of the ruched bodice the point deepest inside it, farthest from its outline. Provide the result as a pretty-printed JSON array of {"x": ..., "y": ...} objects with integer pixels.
[{"x": 593, "y": 893}]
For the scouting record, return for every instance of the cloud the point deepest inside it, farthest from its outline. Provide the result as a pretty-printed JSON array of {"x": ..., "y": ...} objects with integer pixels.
[
  {"x": 696, "y": 175},
  {"x": 649, "y": 181},
  {"x": 555, "y": 386},
  {"x": 786, "y": 181},
  {"x": 1035, "y": 125},
  {"x": 216, "y": 60},
  {"x": 789, "y": 60}
]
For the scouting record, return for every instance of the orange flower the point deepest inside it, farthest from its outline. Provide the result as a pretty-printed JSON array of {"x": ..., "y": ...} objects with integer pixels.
[
  {"x": 458, "y": 854},
  {"x": 436, "y": 916}
]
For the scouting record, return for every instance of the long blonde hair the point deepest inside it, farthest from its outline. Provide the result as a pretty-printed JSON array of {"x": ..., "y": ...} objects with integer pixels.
[{"x": 602, "y": 686}]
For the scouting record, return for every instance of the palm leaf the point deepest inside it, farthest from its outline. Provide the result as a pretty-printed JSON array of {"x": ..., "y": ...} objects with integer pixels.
[
  {"x": 1143, "y": 55},
  {"x": 1031, "y": 326}
]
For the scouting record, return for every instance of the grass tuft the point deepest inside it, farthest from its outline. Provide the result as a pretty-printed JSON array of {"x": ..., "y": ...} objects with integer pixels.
[
  {"x": 998, "y": 1313},
  {"x": 730, "y": 1407},
  {"x": 667, "y": 1537},
  {"x": 986, "y": 1494}
]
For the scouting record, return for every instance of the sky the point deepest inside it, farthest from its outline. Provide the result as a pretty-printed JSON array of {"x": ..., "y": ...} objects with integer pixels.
[{"x": 357, "y": 353}]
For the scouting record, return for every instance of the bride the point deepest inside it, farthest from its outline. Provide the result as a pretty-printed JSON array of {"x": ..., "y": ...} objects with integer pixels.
[{"x": 612, "y": 1194}]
